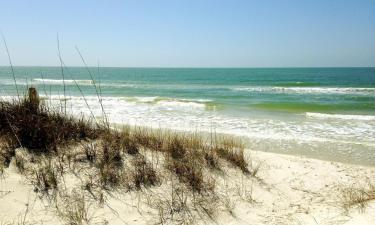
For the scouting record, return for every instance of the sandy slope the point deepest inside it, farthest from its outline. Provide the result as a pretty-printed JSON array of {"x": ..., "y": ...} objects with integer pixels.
[{"x": 286, "y": 190}]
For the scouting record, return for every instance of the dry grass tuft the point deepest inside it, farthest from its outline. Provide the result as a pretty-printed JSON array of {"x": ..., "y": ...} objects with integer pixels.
[
  {"x": 109, "y": 160},
  {"x": 189, "y": 170},
  {"x": 46, "y": 175},
  {"x": 7, "y": 150},
  {"x": 74, "y": 208},
  {"x": 174, "y": 207},
  {"x": 358, "y": 197},
  {"x": 148, "y": 138},
  {"x": 21, "y": 159},
  {"x": 187, "y": 173},
  {"x": 176, "y": 148},
  {"x": 232, "y": 150},
  {"x": 143, "y": 174},
  {"x": 212, "y": 159},
  {"x": 90, "y": 150},
  {"x": 110, "y": 172}
]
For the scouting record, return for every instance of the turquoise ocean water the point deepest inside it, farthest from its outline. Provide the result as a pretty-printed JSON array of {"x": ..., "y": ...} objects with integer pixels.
[{"x": 325, "y": 113}]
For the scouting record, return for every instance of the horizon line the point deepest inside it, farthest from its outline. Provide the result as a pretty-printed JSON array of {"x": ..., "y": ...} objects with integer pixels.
[{"x": 199, "y": 67}]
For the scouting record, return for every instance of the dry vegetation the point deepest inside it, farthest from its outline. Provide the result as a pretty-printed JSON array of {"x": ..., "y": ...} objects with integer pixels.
[
  {"x": 48, "y": 146},
  {"x": 358, "y": 196}
]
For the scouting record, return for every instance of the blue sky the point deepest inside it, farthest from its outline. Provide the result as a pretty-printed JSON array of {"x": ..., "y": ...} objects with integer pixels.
[{"x": 191, "y": 33}]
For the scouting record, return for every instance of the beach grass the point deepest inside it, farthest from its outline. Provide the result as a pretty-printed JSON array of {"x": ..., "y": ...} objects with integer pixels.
[
  {"x": 46, "y": 144},
  {"x": 358, "y": 196}
]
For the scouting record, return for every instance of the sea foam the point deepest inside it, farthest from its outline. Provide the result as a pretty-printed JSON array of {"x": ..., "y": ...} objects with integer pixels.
[{"x": 340, "y": 116}]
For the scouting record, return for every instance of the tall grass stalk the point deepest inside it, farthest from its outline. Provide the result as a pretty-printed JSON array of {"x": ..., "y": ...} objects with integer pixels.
[
  {"x": 62, "y": 71},
  {"x": 101, "y": 96},
  {"x": 11, "y": 65},
  {"x": 82, "y": 94},
  {"x": 92, "y": 79}
]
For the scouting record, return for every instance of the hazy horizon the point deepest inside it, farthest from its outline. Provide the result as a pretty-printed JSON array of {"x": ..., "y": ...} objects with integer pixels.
[{"x": 184, "y": 67}]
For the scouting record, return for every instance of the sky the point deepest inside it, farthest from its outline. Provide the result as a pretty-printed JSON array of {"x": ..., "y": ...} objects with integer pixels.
[{"x": 190, "y": 33}]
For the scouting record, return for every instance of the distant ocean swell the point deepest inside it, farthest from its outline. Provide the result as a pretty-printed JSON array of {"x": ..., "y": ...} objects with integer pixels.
[
  {"x": 310, "y": 106},
  {"x": 68, "y": 82},
  {"x": 291, "y": 88}
]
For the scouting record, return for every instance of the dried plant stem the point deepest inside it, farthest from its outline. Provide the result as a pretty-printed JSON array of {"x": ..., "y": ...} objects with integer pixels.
[
  {"x": 11, "y": 65},
  {"x": 62, "y": 71}
]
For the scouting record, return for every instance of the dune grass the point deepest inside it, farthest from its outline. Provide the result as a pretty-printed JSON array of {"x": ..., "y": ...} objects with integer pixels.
[
  {"x": 38, "y": 128},
  {"x": 45, "y": 144},
  {"x": 28, "y": 124}
]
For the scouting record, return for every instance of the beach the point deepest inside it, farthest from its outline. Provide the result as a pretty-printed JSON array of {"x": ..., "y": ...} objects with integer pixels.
[
  {"x": 187, "y": 112},
  {"x": 287, "y": 190},
  {"x": 129, "y": 152}
]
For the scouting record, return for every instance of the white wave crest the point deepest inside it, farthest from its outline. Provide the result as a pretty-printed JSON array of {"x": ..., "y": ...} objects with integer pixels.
[
  {"x": 179, "y": 103},
  {"x": 340, "y": 116},
  {"x": 57, "y": 81},
  {"x": 141, "y": 99},
  {"x": 166, "y": 103},
  {"x": 310, "y": 90},
  {"x": 163, "y": 101}
]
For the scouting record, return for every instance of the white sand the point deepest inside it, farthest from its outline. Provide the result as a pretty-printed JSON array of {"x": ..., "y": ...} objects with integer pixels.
[{"x": 288, "y": 190}]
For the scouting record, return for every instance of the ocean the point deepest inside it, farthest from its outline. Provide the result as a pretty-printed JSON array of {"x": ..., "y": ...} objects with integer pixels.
[{"x": 325, "y": 113}]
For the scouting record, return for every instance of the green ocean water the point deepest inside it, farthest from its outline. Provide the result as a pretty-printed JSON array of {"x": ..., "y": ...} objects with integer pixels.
[
  {"x": 333, "y": 90},
  {"x": 320, "y": 112}
]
